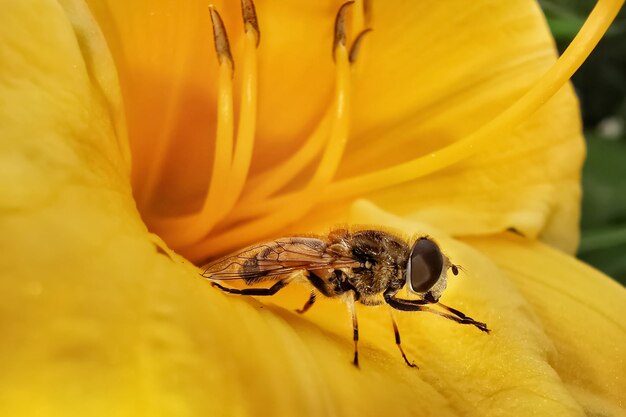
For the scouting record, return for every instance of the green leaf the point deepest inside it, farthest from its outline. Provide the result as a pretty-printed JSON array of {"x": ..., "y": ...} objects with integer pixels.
[{"x": 604, "y": 184}]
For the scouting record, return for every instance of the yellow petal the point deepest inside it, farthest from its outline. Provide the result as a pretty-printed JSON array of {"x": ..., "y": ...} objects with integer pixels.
[
  {"x": 582, "y": 312},
  {"x": 99, "y": 318}
]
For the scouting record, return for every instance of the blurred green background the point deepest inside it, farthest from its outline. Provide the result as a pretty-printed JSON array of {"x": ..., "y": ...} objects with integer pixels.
[{"x": 601, "y": 87}]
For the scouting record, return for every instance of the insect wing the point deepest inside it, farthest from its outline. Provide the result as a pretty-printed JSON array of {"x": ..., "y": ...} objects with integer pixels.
[{"x": 277, "y": 258}]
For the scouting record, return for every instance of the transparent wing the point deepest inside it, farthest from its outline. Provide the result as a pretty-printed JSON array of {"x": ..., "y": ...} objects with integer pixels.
[{"x": 277, "y": 258}]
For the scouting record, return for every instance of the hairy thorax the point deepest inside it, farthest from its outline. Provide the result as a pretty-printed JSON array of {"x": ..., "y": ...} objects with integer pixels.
[{"x": 382, "y": 258}]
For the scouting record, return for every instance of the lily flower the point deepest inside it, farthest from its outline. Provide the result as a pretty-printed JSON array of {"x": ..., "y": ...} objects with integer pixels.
[{"x": 140, "y": 139}]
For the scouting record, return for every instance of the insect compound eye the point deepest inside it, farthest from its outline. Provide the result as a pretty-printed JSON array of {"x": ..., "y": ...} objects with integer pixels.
[{"x": 424, "y": 266}]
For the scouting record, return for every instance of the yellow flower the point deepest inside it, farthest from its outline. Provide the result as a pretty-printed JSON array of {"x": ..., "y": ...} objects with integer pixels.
[{"x": 425, "y": 132}]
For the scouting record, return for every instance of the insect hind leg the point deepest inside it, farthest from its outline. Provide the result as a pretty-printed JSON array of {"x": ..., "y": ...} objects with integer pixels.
[{"x": 253, "y": 291}]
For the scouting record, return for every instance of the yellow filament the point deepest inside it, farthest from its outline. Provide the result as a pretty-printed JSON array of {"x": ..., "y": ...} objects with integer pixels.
[
  {"x": 339, "y": 132},
  {"x": 326, "y": 169},
  {"x": 227, "y": 180},
  {"x": 596, "y": 25},
  {"x": 589, "y": 35},
  {"x": 223, "y": 143},
  {"x": 273, "y": 180},
  {"x": 265, "y": 207},
  {"x": 185, "y": 230},
  {"x": 247, "y": 125}
]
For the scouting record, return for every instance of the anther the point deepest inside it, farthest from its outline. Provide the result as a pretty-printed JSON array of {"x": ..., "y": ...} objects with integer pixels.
[
  {"x": 340, "y": 26},
  {"x": 543, "y": 89},
  {"x": 329, "y": 161},
  {"x": 222, "y": 47},
  {"x": 250, "y": 20},
  {"x": 356, "y": 45},
  {"x": 294, "y": 209}
]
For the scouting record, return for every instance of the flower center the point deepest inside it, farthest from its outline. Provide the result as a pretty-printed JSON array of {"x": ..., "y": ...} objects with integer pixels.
[
  {"x": 257, "y": 212},
  {"x": 237, "y": 210}
]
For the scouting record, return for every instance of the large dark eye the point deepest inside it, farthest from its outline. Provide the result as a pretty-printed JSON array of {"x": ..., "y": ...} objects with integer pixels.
[{"x": 424, "y": 266}]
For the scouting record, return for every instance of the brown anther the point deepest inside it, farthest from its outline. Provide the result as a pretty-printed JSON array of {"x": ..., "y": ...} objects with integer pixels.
[
  {"x": 340, "y": 26},
  {"x": 356, "y": 45},
  {"x": 222, "y": 47},
  {"x": 250, "y": 21}
]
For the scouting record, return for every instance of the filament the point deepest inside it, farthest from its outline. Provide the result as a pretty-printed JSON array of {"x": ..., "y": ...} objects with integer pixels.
[
  {"x": 222, "y": 158},
  {"x": 273, "y": 180},
  {"x": 187, "y": 229},
  {"x": 247, "y": 117},
  {"x": 323, "y": 174},
  {"x": 256, "y": 216},
  {"x": 587, "y": 38}
]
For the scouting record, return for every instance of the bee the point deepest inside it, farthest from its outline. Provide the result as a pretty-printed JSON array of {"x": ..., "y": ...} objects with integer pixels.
[{"x": 366, "y": 266}]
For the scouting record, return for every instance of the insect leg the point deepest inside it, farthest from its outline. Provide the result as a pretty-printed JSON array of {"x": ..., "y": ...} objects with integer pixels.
[
  {"x": 454, "y": 311},
  {"x": 396, "y": 332},
  {"x": 252, "y": 291},
  {"x": 308, "y": 303},
  {"x": 355, "y": 327},
  {"x": 418, "y": 305}
]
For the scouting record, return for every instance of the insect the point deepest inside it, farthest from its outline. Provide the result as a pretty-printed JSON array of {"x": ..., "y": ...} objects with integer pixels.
[{"x": 366, "y": 266}]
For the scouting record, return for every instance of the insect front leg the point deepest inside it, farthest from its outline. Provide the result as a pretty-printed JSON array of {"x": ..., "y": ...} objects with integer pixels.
[
  {"x": 253, "y": 291},
  {"x": 308, "y": 303},
  {"x": 420, "y": 305},
  {"x": 460, "y": 315}
]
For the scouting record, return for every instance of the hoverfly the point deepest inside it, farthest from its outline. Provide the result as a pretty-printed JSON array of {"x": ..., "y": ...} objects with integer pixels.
[{"x": 366, "y": 266}]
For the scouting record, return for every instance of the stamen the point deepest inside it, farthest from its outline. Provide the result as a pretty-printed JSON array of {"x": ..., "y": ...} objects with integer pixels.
[
  {"x": 187, "y": 229},
  {"x": 339, "y": 131},
  {"x": 589, "y": 35},
  {"x": 361, "y": 15},
  {"x": 587, "y": 38},
  {"x": 326, "y": 169},
  {"x": 340, "y": 127},
  {"x": 340, "y": 26},
  {"x": 225, "y": 127},
  {"x": 250, "y": 22},
  {"x": 252, "y": 206},
  {"x": 273, "y": 180},
  {"x": 220, "y": 37},
  {"x": 356, "y": 45},
  {"x": 247, "y": 117}
]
